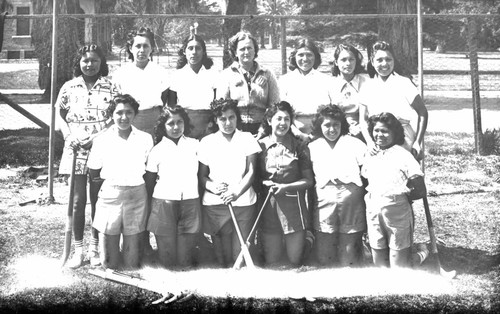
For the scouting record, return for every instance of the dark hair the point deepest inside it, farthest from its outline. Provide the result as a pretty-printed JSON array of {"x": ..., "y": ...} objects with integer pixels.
[
  {"x": 391, "y": 122},
  {"x": 206, "y": 61},
  {"x": 242, "y": 35},
  {"x": 168, "y": 112},
  {"x": 103, "y": 70},
  {"x": 123, "y": 99},
  {"x": 304, "y": 43},
  {"x": 385, "y": 46},
  {"x": 332, "y": 112},
  {"x": 357, "y": 55},
  {"x": 219, "y": 106},
  {"x": 272, "y": 110},
  {"x": 144, "y": 32}
]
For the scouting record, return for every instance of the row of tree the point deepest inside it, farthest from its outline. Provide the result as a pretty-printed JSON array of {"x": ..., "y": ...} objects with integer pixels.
[{"x": 438, "y": 33}]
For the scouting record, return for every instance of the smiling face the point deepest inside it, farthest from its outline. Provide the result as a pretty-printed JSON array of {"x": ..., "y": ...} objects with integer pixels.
[
  {"x": 383, "y": 62},
  {"x": 331, "y": 129},
  {"x": 382, "y": 135},
  {"x": 194, "y": 52},
  {"x": 280, "y": 123},
  {"x": 227, "y": 122},
  {"x": 245, "y": 51},
  {"x": 346, "y": 63},
  {"x": 141, "y": 50},
  {"x": 174, "y": 126},
  {"x": 90, "y": 64},
  {"x": 305, "y": 60},
  {"x": 123, "y": 116}
]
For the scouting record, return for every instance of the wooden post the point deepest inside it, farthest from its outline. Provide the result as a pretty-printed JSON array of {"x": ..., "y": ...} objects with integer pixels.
[
  {"x": 420, "y": 48},
  {"x": 53, "y": 99},
  {"x": 474, "y": 74},
  {"x": 283, "y": 45}
]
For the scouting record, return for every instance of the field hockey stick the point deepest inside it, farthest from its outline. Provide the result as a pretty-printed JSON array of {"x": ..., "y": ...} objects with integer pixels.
[
  {"x": 69, "y": 220},
  {"x": 244, "y": 247},
  {"x": 239, "y": 260},
  {"x": 434, "y": 250}
]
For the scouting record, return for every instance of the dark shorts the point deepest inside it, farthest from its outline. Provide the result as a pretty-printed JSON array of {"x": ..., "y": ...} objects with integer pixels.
[
  {"x": 217, "y": 219},
  {"x": 285, "y": 214},
  {"x": 174, "y": 217}
]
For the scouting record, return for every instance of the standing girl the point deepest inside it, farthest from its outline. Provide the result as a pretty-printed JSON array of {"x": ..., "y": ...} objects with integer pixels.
[
  {"x": 304, "y": 87},
  {"x": 388, "y": 209},
  {"x": 285, "y": 168},
  {"x": 193, "y": 84},
  {"x": 227, "y": 164},
  {"x": 391, "y": 90},
  {"x": 348, "y": 83},
  {"x": 83, "y": 114},
  {"x": 143, "y": 79},
  {"x": 176, "y": 215},
  {"x": 339, "y": 210},
  {"x": 254, "y": 87},
  {"x": 119, "y": 158}
]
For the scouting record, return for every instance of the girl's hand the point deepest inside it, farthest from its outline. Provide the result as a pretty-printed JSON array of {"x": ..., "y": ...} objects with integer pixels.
[
  {"x": 354, "y": 129},
  {"x": 417, "y": 151},
  {"x": 86, "y": 144},
  {"x": 216, "y": 187},
  {"x": 276, "y": 188},
  {"x": 229, "y": 196},
  {"x": 372, "y": 148}
]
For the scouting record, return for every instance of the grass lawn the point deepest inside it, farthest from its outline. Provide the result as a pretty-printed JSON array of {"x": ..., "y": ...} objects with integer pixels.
[{"x": 464, "y": 200}]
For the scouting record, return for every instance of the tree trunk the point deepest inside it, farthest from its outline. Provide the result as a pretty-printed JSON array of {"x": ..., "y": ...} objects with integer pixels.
[
  {"x": 401, "y": 32},
  {"x": 71, "y": 32},
  {"x": 231, "y": 26},
  {"x": 274, "y": 35}
]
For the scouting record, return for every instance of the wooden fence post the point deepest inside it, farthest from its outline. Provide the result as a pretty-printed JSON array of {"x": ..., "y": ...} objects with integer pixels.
[
  {"x": 53, "y": 99},
  {"x": 474, "y": 74},
  {"x": 283, "y": 45}
]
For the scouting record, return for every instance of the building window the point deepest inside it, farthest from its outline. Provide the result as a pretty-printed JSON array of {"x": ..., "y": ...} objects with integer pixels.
[{"x": 23, "y": 26}]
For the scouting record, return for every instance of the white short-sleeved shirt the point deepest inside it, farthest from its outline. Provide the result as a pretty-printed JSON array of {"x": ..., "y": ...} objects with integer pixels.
[
  {"x": 389, "y": 170},
  {"x": 306, "y": 92},
  {"x": 122, "y": 162},
  {"x": 343, "y": 162},
  {"x": 195, "y": 91},
  {"x": 146, "y": 86},
  {"x": 346, "y": 94},
  {"x": 177, "y": 169},
  {"x": 227, "y": 163},
  {"x": 395, "y": 95}
]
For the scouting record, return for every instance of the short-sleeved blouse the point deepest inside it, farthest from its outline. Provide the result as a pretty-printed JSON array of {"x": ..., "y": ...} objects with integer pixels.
[
  {"x": 227, "y": 163},
  {"x": 87, "y": 113},
  {"x": 389, "y": 170},
  {"x": 283, "y": 162},
  {"x": 195, "y": 91},
  {"x": 145, "y": 85},
  {"x": 306, "y": 92},
  {"x": 347, "y": 95}
]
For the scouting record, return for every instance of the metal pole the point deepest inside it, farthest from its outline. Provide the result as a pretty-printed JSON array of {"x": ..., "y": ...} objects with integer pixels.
[
  {"x": 53, "y": 98},
  {"x": 420, "y": 49},
  {"x": 283, "y": 45}
]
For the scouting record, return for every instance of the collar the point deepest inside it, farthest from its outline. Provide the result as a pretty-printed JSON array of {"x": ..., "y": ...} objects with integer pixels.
[
  {"x": 355, "y": 82},
  {"x": 166, "y": 141},
  {"x": 188, "y": 69},
  {"x": 289, "y": 142},
  {"x": 235, "y": 66}
]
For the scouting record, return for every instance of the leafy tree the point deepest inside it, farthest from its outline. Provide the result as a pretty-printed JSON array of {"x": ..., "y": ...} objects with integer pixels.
[
  {"x": 5, "y": 6},
  {"x": 276, "y": 7}
]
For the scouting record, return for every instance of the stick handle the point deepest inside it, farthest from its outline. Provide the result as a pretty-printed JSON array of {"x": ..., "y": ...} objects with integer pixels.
[{"x": 244, "y": 247}]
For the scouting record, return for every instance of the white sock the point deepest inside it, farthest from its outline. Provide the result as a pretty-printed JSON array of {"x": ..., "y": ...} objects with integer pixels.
[{"x": 79, "y": 247}]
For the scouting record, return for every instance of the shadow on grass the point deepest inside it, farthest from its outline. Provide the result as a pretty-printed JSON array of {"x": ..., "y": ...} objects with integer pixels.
[{"x": 467, "y": 260}]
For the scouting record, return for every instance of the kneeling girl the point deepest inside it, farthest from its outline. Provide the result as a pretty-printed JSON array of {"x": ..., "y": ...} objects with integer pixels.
[
  {"x": 172, "y": 181},
  {"x": 119, "y": 157}
]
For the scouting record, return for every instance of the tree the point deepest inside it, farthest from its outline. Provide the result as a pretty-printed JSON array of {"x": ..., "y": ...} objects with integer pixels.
[
  {"x": 400, "y": 32},
  {"x": 68, "y": 42},
  {"x": 5, "y": 6},
  {"x": 276, "y": 7}
]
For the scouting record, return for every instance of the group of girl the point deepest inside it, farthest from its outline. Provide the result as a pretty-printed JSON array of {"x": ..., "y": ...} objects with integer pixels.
[{"x": 319, "y": 147}]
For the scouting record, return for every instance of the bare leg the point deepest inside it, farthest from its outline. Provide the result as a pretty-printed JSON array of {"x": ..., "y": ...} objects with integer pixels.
[
  {"x": 326, "y": 248},
  {"x": 272, "y": 244},
  {"x": 350, "y": 249},
  {"x": 79, "y": 202},
  {"x": 381, "y": 257},
  {"x": 400, "y": 258},
  {"x": 110, "y": 248},
  {"x": 167, "y": 249},
  {"x": 131, "y": 249},
  {"x": 294, "y": 243}
]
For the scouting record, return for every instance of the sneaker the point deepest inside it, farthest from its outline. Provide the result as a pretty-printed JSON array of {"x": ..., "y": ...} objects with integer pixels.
[
  {"x": 76, "y": 261},
  {"x": 94, "y": 258}
]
